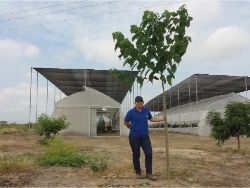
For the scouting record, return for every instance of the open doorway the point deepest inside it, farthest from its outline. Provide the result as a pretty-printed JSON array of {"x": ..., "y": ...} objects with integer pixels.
[{"x": 107, "y": 122}]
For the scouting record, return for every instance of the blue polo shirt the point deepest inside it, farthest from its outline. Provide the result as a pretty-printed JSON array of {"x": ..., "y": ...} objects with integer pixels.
[{"x": 138, "y": 121}]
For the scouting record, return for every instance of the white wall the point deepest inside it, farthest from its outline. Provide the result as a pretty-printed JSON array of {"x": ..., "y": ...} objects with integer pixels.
[{"x": 197, "y": 112}]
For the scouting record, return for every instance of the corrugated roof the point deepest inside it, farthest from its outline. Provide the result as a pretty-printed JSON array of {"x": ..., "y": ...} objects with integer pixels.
[
  {"x": 70, "y": 81},
  {"x": 207, "y": 86}
]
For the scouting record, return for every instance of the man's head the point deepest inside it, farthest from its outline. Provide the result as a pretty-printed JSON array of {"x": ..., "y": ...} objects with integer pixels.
[{"x": 139, "y": 102}]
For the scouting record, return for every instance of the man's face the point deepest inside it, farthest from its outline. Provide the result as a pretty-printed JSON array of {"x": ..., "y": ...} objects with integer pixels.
[{"x": 139, "y": 104}]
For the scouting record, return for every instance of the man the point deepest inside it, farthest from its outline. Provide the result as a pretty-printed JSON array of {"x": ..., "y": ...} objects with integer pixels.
[{"x": 136, "y": 120}]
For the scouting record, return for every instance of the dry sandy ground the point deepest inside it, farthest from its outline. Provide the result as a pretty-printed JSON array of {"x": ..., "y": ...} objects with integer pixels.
[{"x": 195, "y": 161}]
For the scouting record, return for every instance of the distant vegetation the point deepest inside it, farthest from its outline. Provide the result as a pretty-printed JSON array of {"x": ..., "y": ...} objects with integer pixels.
[{"x": 13, "y": 128}]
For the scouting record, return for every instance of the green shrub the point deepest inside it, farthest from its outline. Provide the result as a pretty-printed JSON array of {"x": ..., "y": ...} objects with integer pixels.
[
  {"x": 58, "y": 153},
  {"x": 48, "y": 126}
]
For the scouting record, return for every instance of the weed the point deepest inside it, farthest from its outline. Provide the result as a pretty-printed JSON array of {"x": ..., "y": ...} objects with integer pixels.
[
  {"x": 11, "y": 163},
  {"x": 58, "y": 153}
]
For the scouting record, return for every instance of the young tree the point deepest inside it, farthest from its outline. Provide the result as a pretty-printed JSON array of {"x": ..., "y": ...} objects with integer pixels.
[
  {"x": 156, "y": 49},
  {"x": 219, "y": 130},
  {"x": 237, "y": 118},
  {"x": 48, "y": 126},
  {"x": 235, "y": 123}
]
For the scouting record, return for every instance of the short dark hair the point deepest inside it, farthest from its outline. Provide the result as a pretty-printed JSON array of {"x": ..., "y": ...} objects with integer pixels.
[{"x": 138, "y": 99}]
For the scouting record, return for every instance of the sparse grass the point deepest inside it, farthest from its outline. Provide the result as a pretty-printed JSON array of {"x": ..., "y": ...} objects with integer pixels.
[
  {"x": 198, "y": 148},
  {"x": 14, "y": 128},
  {"x": 58, "y": 153},
  {"x": 180, "y": 173},
  {"x": 19, "y": 163},
  {"x": 230, "y": 150},
  {"x": 248, "y": 163}
]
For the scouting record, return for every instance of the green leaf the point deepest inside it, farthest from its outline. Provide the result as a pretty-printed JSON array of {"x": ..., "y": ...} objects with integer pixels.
[
  {"x": 174, "y": 67},
  {"x": 169, "y": 79},
  {"x": 134, "y": 29}
]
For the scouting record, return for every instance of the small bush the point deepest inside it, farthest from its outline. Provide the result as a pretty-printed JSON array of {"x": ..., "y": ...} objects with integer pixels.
[
  {"x": 50, "y": 126},
  {"x": 60, "y": 154}
]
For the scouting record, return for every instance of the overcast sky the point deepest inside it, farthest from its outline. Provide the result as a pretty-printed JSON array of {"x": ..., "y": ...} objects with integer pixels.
[{"x": 67, "y": 34}]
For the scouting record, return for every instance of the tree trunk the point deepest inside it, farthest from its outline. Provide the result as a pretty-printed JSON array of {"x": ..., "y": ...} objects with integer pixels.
[
  {"x": 166, "y": 134},
  {"x": 238, "y": 139}
]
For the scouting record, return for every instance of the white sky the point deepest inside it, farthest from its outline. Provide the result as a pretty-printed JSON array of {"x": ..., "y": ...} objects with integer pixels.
[{"x": 67, "y": 34}]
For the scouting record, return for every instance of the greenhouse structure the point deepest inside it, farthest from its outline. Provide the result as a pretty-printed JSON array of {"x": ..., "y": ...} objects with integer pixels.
[
  {"x": 98, "y": 97},
  {"x": 189, "y": 102},
  {"x": 92, "y": 95}
]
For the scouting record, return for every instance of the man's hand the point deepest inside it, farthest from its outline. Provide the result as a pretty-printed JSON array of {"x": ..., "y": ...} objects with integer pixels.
[
  {"x": 127, "y": 124},
  {"x": 156, "y": 119}
]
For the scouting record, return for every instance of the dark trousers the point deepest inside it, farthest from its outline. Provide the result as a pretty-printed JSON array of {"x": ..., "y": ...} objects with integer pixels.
[{"x": 136, "y": 142}]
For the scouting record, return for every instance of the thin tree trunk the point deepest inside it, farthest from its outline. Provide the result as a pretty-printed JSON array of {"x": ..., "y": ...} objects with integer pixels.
[
  {"x": 166, "y": 134},
  {"x": 238, "y": 139}
]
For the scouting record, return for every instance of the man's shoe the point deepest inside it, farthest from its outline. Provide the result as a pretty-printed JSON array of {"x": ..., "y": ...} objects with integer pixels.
[
  {"x": 151, "y": 177},
  {"x": 139, "y": 176}
]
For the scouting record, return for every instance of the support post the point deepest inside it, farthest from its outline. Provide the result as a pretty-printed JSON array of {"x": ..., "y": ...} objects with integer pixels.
[
  {"x": 246, "y": 85},
  {"x": 179, "y": 107},
  {"x": 130, "y": 104},
  {"x": 137, "y": 88},
  {"x": 36, "y": 93},
  {"x": 126, "y": 102},
  {"x": 197, "y": 99},
  {"x": 30, "y": 96},
  {"x": 47, "y": 95},
  {"x": 170, "y": 114},
  {"x": 158, "y": 108},
  {"x": 189, "y": 92},
  {"x": 153, "y": 108},
  {"x": 133, "y": 91},
  {"x": 55, "y": 96}
]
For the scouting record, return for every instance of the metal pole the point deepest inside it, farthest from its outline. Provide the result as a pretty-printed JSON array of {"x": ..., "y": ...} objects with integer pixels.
[
  {"x": 36, "y": 93},
  {"x": 130, "y": 103},
  {"x": 133, "y": 90},
  {"x": 189, "y": 91},
  {"x": 158, "y": 103},
  {"x": 246, "y": 85},
  {"x": 140, "y": 90},
  {"x": 153, "y": 109},
  {"x": 197, "y": 100},
  {"x": 137, "y": 88},
  {"x": 126, "y": 104},
  {"x": 85, "y": 78},
  {"x": 55, "y": 96},
  {"x": 171, "y": 118},
  {"x": 30, "y": 96},
  {"x": 47, "y": 99},
  {"x": 179, "y": 106}
]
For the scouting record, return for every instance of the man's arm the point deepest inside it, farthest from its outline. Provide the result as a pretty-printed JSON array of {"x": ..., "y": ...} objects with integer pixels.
[
  {"x": 127, "y": 124},
  {"x": 155, "y": 119}
]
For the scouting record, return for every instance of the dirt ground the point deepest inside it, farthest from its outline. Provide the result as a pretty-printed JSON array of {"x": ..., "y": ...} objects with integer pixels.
[{"x": 195, "y": 161}]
